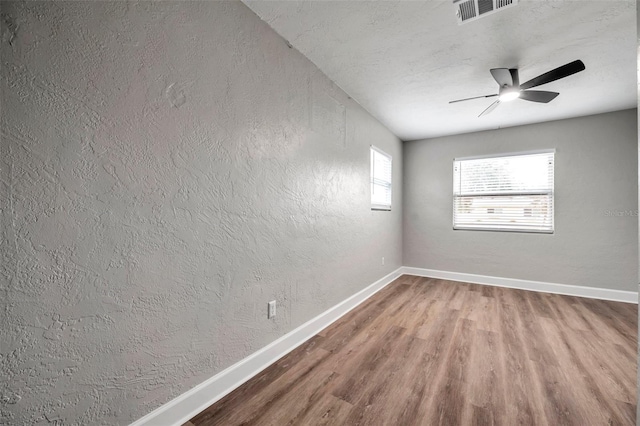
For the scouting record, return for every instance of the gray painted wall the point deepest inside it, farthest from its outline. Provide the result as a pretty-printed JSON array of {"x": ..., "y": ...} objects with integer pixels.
[
  {"x": 167, "y": 169},
  {"x": 596, "y": 170}
]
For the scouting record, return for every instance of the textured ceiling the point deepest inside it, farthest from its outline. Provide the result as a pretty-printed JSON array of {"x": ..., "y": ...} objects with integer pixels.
[{"x": 404, "y": 60}]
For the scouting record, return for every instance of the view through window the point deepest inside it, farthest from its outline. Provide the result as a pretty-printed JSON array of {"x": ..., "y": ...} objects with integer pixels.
[
  {"x": 512, "y": 192},
  {"x": 380, "y": 180}
]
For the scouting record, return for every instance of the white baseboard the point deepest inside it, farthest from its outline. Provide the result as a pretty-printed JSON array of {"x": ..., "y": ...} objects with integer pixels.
[
  {"x": 182, "y": 408},
  {"x": 571, "y": 290}
]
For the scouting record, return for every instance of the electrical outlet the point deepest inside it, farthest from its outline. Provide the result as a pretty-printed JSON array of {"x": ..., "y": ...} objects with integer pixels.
[
  {"x": 271, "y": 309},
  {"x": 383, "y": 260}
]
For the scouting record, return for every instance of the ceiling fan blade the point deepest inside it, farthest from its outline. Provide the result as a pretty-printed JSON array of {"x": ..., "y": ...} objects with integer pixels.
[
  {"x": 538, "y": 96},
  {"x": 476, "y": 97},
  {"x": 502, "y": 76},
  {"x": 515, "y": 77},
  {"x": 556, "y": 74},
  {"x": 490, "y": 108}
]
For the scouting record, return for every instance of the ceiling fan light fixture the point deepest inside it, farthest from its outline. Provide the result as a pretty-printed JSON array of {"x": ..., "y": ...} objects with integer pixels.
[{"x": 509, "y": 95}]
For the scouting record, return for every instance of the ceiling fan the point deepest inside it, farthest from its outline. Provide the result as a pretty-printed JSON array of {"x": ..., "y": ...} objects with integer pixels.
[{"x": 510, "y": 87}]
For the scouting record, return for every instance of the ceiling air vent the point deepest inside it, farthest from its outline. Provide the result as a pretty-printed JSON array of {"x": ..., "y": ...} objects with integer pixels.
[{"x": 470, "y": 10}]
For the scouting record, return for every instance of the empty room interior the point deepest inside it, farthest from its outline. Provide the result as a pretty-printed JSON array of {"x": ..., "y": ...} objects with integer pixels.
[{"x": 319, "y": 212}]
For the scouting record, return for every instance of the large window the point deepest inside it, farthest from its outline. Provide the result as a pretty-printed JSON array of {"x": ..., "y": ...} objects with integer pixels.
[
  {"x": 380, "y": 180},
  {"x": 512, "y": 192}
]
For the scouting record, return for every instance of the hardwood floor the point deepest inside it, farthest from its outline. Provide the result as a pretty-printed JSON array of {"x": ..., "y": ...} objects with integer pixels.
[{"x": 432, "y": 352}]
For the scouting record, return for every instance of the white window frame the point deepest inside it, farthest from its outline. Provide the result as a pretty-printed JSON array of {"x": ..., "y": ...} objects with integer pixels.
[
  {"x": 377, "y": 181},
  {"x": 549, "y": 192}
]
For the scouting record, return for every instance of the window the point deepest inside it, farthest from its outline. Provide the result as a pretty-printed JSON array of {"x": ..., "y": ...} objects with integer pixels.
[
  {"x": 512, "y": 192},
  {"x": 380, "y": 180}
]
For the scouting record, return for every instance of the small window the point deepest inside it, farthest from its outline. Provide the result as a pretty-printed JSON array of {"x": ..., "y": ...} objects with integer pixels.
[
  {"x": 512, "y": 192},
  {"x": 380, "y": 180}
]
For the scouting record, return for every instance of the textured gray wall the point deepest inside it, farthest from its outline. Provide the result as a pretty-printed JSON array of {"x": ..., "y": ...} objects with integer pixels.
[
  {"x": 596, "y": 170},
  {"x": 167, "y": 169}
]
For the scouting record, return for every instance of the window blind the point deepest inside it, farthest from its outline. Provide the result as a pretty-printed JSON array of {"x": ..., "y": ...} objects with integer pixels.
[
  {"x": 505, "y": 193},
  {"x": 380, "y": 180}
]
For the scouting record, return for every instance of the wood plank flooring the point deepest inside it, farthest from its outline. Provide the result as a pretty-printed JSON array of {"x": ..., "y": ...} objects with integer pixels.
[{"x": 433, "y": 352}]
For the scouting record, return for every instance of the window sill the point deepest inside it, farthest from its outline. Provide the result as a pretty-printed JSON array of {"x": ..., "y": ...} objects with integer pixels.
[{"x": 519, "y": 231}]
